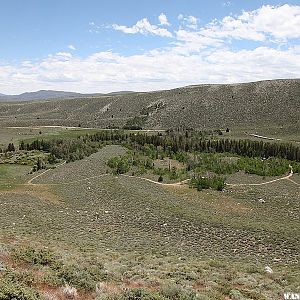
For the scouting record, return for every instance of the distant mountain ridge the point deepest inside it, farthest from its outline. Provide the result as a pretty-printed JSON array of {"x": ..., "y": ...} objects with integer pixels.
[
  {"x": 263, "y": 103},
  {"x": 39, "y": 95},
  {"x": 51, "y": 94}
]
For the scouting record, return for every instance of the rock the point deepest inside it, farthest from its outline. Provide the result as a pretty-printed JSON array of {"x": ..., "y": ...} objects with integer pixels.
[
  {"x": 2, "y": 267},
  {"x": 276, "y": 259},
  {"x": 268, "y": 270}
]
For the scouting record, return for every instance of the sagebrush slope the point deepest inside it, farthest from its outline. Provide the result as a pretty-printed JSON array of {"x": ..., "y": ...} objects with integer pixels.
[{"x": 274, "y": 102}]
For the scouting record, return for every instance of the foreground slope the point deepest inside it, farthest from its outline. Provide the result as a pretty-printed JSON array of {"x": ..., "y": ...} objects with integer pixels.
[{"x": 275, "y": 103}]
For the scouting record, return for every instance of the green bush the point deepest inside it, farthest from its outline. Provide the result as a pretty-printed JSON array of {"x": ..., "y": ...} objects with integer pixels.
[
  {"x": 82, "y": 277},
  {"x": 16, "y": 291},
  {"x": 264, "y": 167},
  {"x": 215, "y": 182},
  {"x": 24, "y": 277},
  {"x": 33, "y": 256},
  {"x": 176, "y": 292},
  {"x": 140, "y": 294},
  {"x": 119, "y": 165}
]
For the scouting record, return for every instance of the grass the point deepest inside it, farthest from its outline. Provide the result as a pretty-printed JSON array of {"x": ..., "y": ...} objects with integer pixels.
[
  {"x": 15, "y": 135},
  {"x": 12, "y": 175},
  {"x": 286, "y": 133},
  {"x": 13, "y": 172}
]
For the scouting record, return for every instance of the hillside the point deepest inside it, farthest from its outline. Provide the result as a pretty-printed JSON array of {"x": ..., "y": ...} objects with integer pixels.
[
  {"x": 99, "y": 221},
  {"x": 275, "y": 102}
]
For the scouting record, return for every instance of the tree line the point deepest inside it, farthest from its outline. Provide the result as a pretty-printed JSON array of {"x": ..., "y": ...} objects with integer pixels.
[{"x": 170, "y": 143}]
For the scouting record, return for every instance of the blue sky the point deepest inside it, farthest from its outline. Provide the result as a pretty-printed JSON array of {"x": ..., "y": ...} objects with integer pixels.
[{"x": 103, "y": 46}]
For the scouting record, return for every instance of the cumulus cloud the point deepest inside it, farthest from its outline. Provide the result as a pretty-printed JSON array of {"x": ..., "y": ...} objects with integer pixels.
[
  {"x": 144, "y": 27},
  {"x": 192, "y": 22},
  {"x": 189, "y": 21},
  {"x": 163, "y": 20},
  {"x": 279, "y": 22},
  {"x": 193, "y": 41},
  {"x": 268, "y": 24},
  {"x": 109, "y": 71}
]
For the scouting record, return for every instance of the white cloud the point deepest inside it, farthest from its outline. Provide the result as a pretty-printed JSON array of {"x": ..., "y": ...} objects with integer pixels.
[
  {"x": 193, "y": 41},
  {"x": 61, "y": 56},
  {"x": 189, "y": 21},
  {"x": 144, "y": 27},
  {"x": 268, "y": 24},
  {"x": 163, "y": 20},
  {"x": 72, "y": 47},
  {"x": 192, "y": 22},
  {"x": 109, "y": 71},
  {"x": 279, "y": 22}
]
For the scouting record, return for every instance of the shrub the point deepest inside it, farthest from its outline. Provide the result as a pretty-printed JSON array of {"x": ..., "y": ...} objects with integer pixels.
[
  {"x": 82, "y": 277},
  {"x": 176, "y": 292},
  {"x": 24, "y": 277},
  {"x": 214, "y": 182},
  {"x": 42, "y": 257},
  {"x": 140, "y": 294},
  {"x": 119, "y": 165},
  {"x": 16, "y": 291}
]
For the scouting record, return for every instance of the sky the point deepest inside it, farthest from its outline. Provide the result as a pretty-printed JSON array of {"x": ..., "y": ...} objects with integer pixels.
[{"x": 93, "y": 46}]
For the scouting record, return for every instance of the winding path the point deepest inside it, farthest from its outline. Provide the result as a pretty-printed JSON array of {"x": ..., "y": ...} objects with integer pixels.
[
  {"x": 29, "y": 182},
  {"x": 288, "y": 177},
  {"x": 180, "y": 183},
  {"x": 156, "y": 182}
]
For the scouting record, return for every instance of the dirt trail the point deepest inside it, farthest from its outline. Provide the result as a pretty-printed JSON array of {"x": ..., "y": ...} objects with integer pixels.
[
  {"x": 180, "y": 183},
  {"x": 156, "y": 182},
  {"x": 270, "y": 138},
  {"x": 288, "y": 177},
  {"x": 263, "y": 137},
  {"x": 29, "y": 182}
]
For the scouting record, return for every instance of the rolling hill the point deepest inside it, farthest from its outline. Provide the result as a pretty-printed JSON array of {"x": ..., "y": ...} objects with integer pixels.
[{"x": 266, "y": 103}]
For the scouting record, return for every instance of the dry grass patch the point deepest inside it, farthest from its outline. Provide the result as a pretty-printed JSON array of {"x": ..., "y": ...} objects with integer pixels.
[
  {"x": 42, "y": 192},
  {"x": 220, "y": 202}
]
